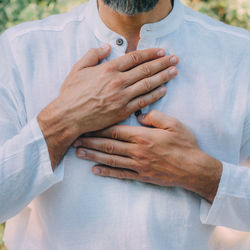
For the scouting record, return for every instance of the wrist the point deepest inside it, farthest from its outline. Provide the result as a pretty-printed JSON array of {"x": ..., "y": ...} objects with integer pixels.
[
  {"x": 206, "y": 177},
  {"x": 58, "y": 131}
]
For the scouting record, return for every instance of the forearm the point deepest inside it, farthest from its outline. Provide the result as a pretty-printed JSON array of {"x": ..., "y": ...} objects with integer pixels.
[
  {"x": 25, "y": 170},
  {"x": 59, "y": 130},
  {"x": 206, "y": 176}
]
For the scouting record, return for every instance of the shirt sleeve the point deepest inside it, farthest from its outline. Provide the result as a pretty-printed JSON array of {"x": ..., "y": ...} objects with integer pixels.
[
  {"x": 231, "y": 206},
  {"x": 25, "y": 168}
]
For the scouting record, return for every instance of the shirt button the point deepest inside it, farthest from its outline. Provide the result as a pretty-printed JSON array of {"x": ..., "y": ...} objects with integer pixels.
[
  {"x": 137, "y": 113},
  {"x": 119, "y": 42}
]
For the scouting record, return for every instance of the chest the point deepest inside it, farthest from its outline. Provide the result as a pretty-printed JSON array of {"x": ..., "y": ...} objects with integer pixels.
[{"x": 199, "y": 98}]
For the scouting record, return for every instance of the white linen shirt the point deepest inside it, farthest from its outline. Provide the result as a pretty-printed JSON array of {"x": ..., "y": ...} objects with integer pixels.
[{"x": 74, "y": 209}]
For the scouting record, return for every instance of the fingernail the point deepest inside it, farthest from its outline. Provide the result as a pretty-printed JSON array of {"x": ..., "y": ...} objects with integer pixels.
[
  {"x": 105, "y": 46},
  {"x": 96, "y": 170},
  {"x": 172, "y": 71},
  {"x": 173, "y": 60},
  {"x": 82, "y": 153},
  {"x": 161, "y": 52}
]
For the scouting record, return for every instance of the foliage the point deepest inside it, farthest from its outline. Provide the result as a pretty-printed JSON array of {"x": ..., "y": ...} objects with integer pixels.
[
  {"x": 1, "y": 237},
  {"x": 12, "y": 12},
  {"x": 235, "y": 12}
]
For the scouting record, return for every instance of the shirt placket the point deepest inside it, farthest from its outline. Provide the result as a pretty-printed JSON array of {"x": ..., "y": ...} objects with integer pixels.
[{"x": 144, "y": 43}]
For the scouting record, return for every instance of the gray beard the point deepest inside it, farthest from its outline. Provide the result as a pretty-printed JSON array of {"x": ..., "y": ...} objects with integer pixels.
[{"x": 131, "y": 7}]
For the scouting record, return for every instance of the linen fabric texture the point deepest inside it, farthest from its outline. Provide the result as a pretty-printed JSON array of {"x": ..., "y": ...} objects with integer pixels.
[{"x": 73, "y": 209}]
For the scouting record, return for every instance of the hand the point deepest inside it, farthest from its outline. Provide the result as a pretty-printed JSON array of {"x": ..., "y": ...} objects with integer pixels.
[
  {"x": 99, "y": 96},
  {"x": 96, "y": 96},
  {"x": 165, "y": 155}
]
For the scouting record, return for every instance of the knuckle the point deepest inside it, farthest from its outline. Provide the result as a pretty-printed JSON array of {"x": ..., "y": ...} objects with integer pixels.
[
  {"x": 155, "y": 96},
  {"x": 141, "y": 103},
  {"x": 111, "y": 162},
  {"x": 146, "y": 71},
  {"x": 122, "y": 175},
  {"x": 142, "y": 140},
  {"x": 88, "y": 155},
  {"x": 106, "y": 172},
  {"x": 116, "y": 103},
  {"x": 164, "y": 63},
  {"x": 80, "y": 65},
  {"x": 117, "y": 81},
  {"x": 138, "y": 155},
  {"x": 164, "y": 76},
  {"x": 135, "y": 57},
  {"x": 109, "y": 148},
  {"x": 115, "y": 133},
  {"x": 133, "y": 153},
  {"x": 122, "y": 111},
  {"x": 161, "y": 91},
  {"x": 92, "y": 52},
  {"x": 147, "y": 84},
  {"x": 146, "y": 178},
  {"x": 85, "y": 142},
  {"x": 109, "y": 67}
]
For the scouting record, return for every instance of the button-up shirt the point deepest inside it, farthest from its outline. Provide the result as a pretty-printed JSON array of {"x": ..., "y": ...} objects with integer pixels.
[{"x": 71, "y": 208}]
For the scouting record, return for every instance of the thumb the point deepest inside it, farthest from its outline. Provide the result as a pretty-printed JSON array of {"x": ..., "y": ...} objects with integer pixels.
[
  {"x": 155, "y": 119},
  {"x": 94, "y": 56}
]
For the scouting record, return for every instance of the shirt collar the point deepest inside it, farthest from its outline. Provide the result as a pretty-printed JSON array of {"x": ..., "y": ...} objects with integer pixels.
[{"x": 151, "y": 30}]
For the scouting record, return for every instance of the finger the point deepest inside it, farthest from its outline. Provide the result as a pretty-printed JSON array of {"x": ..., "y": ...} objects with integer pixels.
[
  {"x": 105, "y": 145},
  {"x": 149, "y": 69},
  {"x": 135, "y": 58},
  {"x": 107, "y": 159},
  {"x": 119, "y": 132},
  {"x": 115, "y": 173},
  {"x": 93, "y": 57},
  {"x": 148, "y": 84},
  {"x": 145, "y": 100},
  {"x": 158, "y": 119}
]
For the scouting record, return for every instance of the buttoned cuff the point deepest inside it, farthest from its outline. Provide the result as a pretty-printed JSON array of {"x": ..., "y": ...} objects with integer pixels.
[{"x": 231, "y": 205}]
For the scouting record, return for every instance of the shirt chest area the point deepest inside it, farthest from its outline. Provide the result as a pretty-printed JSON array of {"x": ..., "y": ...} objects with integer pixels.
[{"x": 193, "y": 100}]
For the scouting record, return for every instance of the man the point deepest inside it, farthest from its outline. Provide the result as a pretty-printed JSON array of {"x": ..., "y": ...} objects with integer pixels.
[{"x": 175, "y": 165}]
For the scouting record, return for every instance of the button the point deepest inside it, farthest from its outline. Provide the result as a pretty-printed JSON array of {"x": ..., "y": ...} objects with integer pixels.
[
  {"x": 119, "y": 42},
  {"x": 138, "y": 112}
]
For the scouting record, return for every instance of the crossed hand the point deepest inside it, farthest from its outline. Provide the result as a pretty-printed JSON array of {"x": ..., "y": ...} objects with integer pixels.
[{"x": 163, "y": 152}]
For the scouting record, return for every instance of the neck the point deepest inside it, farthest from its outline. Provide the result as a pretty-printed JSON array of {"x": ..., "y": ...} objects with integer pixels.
[{"x": 129, "y": 26}]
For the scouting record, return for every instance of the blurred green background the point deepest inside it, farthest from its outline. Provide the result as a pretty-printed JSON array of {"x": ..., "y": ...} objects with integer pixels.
[
  {"x": 12, "y": 12},
  {"x": 236, "y": 12},
  {"x": 1, "y": 237}
]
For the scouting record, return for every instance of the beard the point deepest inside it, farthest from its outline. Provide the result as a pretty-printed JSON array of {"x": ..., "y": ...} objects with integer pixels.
[{"x": 131, "y": 7}]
